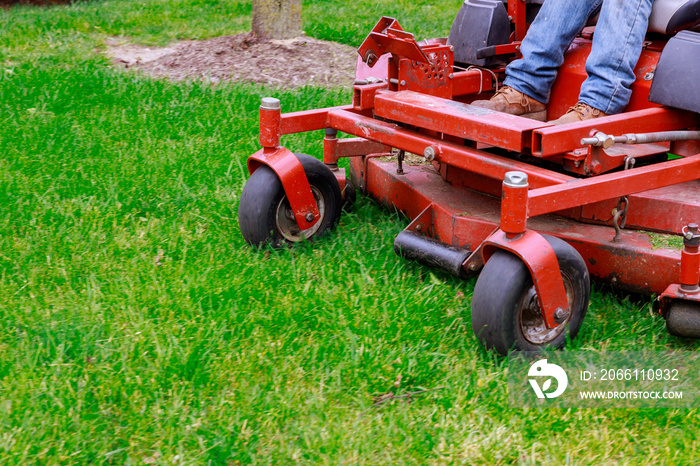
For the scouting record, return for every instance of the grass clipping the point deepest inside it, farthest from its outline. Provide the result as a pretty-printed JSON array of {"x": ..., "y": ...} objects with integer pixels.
[{"x": 291, "y": 63}]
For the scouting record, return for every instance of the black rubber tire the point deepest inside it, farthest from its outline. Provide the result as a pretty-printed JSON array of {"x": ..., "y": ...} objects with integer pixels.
[
  {"x": 683, "y": 319},
  {"x": 499, "y": 303},
  {"x": 263, "y": 193}
]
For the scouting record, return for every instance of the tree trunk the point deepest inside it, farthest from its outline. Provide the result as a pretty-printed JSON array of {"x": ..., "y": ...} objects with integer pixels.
[{"x": 277, "y": 19}]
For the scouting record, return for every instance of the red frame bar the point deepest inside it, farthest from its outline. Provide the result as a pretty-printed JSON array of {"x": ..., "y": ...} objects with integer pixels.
[
  {"x": 334, "y": 148},
  {"x": 612, "y": 185},
  {"x": 307, "y": 120},
  {"x": 490, "y": 165}
]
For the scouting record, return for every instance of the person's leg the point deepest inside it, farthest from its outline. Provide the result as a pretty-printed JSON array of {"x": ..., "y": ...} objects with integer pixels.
[
  {"x": 617, "y": 44},
  {"x": 550, "y": 34}
]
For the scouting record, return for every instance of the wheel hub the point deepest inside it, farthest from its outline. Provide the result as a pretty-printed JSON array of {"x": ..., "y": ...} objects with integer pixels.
[
  {"x": 287, "y": 225},
  {"x": 532, "y": 323}
]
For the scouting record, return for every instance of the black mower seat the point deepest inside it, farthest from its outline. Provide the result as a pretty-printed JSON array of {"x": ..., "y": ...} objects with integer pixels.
[{"x": 672, "y": 16}]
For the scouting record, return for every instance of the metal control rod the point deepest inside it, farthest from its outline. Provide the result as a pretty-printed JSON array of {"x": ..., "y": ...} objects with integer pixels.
[{"x": 605, "y": 141}]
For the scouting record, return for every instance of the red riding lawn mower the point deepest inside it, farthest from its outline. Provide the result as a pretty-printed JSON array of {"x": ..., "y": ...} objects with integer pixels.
[{"x": 534, "y": 207}]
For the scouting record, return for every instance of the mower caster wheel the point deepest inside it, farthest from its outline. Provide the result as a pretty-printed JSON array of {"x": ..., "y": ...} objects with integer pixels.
[
  {"x": 505, "y": 311},
  {"x": 264, "y": 213},
  {"x": 683, "y": 319}
]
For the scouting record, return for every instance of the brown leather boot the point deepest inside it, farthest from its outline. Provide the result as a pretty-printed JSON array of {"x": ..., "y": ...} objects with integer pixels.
[
  {"x": 579, "y": 112},
  {"x": 508, "y": 100}
]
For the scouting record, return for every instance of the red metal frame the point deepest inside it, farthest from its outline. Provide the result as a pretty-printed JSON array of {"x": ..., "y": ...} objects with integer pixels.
[
  {"x": 423, "y": 108},
  {"x": 516, "y": 11}
]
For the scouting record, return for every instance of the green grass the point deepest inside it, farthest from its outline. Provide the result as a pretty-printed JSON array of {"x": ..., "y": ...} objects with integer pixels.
[
  {"x": 137, "y": 327},
  {"x": 659, "y": 241}
]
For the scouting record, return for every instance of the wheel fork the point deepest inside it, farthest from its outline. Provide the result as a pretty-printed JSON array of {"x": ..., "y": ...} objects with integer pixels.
[
  {"x": 285, "y": 164},
  {"x": 532, "y": 248}
]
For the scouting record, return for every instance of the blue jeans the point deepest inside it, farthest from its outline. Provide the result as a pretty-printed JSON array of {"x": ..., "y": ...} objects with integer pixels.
[{"x": 617, "y": 44}]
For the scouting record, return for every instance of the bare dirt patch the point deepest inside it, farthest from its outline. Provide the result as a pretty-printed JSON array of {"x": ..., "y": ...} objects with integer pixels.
[{"x": 287, "y": 63}]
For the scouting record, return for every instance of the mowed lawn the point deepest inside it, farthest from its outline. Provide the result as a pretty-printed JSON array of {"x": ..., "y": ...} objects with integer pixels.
[{"x": 137, "y": 327}]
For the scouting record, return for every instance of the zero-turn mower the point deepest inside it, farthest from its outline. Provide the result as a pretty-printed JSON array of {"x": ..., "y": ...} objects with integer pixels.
[{"x": 535, "y": 208}]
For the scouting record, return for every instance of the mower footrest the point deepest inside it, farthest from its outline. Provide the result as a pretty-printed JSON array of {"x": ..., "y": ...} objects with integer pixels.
[{"x": 457, "y": 119}]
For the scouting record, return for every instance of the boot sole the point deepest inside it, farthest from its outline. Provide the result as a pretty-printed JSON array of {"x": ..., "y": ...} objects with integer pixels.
[{"x": 539, "y": 116}]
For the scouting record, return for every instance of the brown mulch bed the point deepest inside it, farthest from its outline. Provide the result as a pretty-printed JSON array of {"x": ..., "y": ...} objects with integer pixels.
[{"x": 281, "y": 63}]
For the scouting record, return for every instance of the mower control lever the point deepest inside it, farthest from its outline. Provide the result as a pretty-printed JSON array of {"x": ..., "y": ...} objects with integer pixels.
[{"x": 496, "y": 50}]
